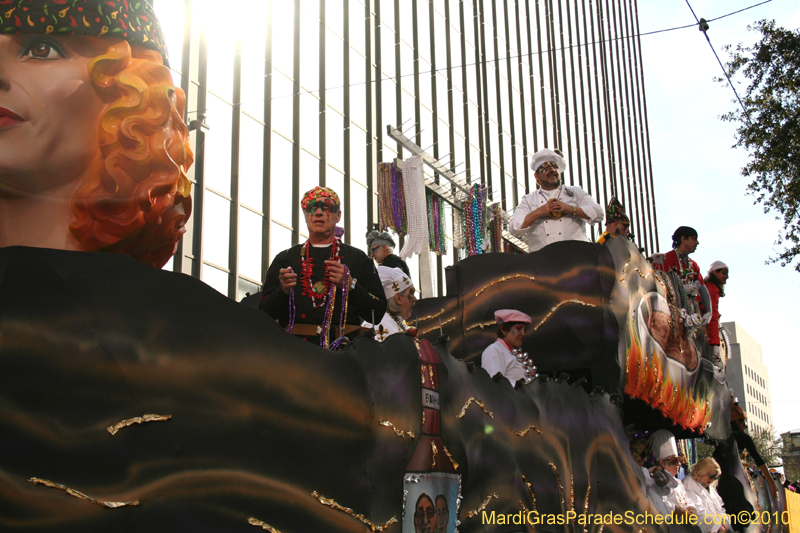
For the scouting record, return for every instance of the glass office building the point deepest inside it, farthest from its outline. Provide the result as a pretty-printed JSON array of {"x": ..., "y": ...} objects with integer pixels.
[{"x": 284, "y": 95}]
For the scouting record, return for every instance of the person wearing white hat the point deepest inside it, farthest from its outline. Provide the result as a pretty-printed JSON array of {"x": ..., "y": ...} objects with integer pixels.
[
  {"x": 663, "y": 488},
  {"x": 505, "y": 355},
  {"x": 400, "y": 299},
  {"x": 715, "y": 283},
  {"x": 553, "y": 212},
  {"x": 381, "y": 249}
]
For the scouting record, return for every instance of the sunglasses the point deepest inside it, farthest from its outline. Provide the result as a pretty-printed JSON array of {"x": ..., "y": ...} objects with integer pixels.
[
  {"x": 673, "y": 461},
  {"x": 374, "y": 249},
  {"x": 547, "y": 166},
  {"x": 326, "y": 205},
  {"x": 713, "y": 477}
]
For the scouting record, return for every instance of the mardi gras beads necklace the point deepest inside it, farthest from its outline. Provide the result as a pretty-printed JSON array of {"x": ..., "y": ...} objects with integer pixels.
[
  {"x": 684, "y": 264},
  {"x": 400, "y": 322},
  {"x": 527, "y": 364},
  {"x": 327, "y": 321},
  {"x": 318, "y": 291}
]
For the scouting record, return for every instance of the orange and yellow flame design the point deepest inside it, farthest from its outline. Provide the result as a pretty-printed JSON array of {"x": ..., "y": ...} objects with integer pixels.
[{"x": 648, "y": 380}]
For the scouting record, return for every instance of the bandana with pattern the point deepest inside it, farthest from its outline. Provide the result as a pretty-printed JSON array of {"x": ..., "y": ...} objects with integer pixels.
[
  {"x": 319, "y": 192},
  {"x": 615, "y": 212},
  {"x": 131, "y": 20}
]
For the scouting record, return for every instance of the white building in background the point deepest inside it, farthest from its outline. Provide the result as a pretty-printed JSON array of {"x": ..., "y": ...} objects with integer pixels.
[
  {"x": 749, "y": 378},
  {"x": 299, "y": 93}
]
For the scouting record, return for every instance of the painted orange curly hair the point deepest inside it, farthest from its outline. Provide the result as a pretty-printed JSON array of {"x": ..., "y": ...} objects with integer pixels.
[{"x": 136, "y": 199}]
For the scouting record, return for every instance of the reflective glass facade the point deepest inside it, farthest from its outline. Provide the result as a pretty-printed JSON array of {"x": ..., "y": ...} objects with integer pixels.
[{"x": 299, "y": 93}]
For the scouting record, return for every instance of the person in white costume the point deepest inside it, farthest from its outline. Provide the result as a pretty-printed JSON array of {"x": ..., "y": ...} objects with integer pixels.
[
  {"x": 500, "y": 357},
  {"x": 553, "y": 212},
  {"x": 400, "y": 299},
  {"x": 669, "y": 495},
  {"x": 701, "y": 489}
]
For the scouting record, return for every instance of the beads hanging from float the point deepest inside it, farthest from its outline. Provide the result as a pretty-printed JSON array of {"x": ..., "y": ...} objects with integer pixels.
[
  {"x": 474, "y": 215},
  {"x": 436, "y": 228}
]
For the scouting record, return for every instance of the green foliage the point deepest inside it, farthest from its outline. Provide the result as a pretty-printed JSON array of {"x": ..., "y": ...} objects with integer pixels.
[
  {"x": 791, "y": 462},
  {"x": 769, "y": 446},
  {"x": 769, "y": 127},
  {"x": 703, "y": 450}
]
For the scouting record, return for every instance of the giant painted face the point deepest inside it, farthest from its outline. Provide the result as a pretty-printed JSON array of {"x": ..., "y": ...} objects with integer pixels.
[
  {"x": 49, "y": 107},
  {"x": 442, "y": 514},
  {"x": 655, "y": 323},
  {"x": 94, "y": 148},
  {"x": 425, "y": 515}
]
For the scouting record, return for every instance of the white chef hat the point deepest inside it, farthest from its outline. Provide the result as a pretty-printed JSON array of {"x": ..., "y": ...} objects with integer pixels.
[
  {"x": 664, "y": 444},
  {"x": 394, "y": 280},
  {"x": 716, "y": 265},
  {"x": 546, "y": 154}
]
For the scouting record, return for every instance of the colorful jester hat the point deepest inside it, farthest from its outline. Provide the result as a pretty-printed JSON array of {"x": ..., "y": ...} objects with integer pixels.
[
  {"x": 131, "y": 20},
  {"x": 319, "y": 193},
  {"x": 615, "y": 212}
]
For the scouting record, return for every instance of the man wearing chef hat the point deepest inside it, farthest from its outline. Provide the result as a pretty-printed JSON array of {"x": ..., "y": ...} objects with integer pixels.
[
  {"x": 663, "y": 488},
  {"x": 400, "y": 299},
  {"x": 553, "y": 212}
]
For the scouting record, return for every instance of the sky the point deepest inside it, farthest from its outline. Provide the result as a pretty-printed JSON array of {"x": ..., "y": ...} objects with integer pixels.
[{"x": 698, "y": 180}]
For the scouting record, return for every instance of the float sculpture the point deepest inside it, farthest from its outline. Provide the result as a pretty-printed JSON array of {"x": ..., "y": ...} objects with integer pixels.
[{"x": 135, "y": 399}]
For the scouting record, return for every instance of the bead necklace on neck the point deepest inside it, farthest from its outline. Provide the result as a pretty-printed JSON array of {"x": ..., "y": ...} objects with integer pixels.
[
  {"x": 684, "y": 264},
  {"x": 316, "y": 292},
  {"x": 400, "y": 322}
]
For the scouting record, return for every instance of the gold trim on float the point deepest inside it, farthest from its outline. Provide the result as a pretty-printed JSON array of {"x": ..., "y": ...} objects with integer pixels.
[
  {"x": 635, "y": 269},
  {"x": 476, "y": 512},
  {"x": 501, "y": 280},
  {"x": 398, "y": 432},
  {"x": 137, "y": 420},
  {"x": 530, "y": 491},
  {"x": 80, "y": 495},
  {"x": 526, "y": 430},
  {"x": 437, "y": 326},
  {"x": 331, "y": 503},
  {"x": 555, "y": 308},
  {"x": 482, "y": 325},
  {"x": 476, "y": 402},
  {"x": 263, "y": 525},
  {"x": 452, "y": 461},
  {"x": 437, "y": 315},
  {"x": 560, "y": 486}
]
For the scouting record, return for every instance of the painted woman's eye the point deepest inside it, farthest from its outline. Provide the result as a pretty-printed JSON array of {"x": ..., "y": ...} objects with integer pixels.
[{"x": 42, "y": 50}]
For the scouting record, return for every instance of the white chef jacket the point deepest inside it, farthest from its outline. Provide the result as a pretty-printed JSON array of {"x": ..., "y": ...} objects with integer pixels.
[
  {"x": 498, "y": 358},
  {"x": 708, "y": 503},
  {"x": 547, "y": 230},
  {"x": 666, "y": 498}
]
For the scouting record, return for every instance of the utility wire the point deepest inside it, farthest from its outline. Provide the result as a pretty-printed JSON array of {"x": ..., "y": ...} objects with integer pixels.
[
  {"x": 744, "y": 9},
  {"x": 547, "y": 51},
  {"x": 702, "y": 24}
]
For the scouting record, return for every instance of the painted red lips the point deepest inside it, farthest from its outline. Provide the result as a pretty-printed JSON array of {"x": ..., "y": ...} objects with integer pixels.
[{"x": 9, "y": 118}]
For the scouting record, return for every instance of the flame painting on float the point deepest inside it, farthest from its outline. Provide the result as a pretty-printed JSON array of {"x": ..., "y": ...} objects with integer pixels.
[{"x": 135, "y": 399}]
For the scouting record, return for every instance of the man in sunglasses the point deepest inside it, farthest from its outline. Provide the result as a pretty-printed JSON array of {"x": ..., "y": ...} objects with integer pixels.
[
  {"x": 308, "y": 282},
  {"x": 663, "y": 488},
  {"x": 553, "y": 212},
  {"x": 617, "y": 222},
  {"x": 381, "y": 249}
]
